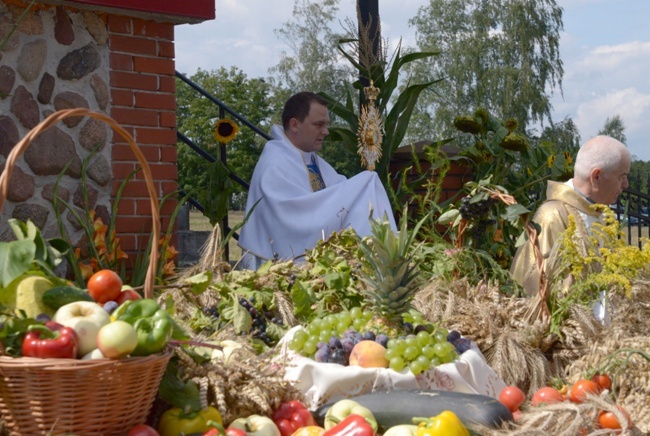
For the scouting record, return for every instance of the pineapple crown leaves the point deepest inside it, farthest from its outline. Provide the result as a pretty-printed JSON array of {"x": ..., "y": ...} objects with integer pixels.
[{"x": 389, "y": 267}]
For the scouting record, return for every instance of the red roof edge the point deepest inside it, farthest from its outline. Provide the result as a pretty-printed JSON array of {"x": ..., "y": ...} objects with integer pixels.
[{"x": 188, "y": 11}]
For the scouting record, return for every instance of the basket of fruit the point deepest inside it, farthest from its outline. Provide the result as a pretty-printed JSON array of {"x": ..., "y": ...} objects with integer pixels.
[{"x": 84, "y": 371}]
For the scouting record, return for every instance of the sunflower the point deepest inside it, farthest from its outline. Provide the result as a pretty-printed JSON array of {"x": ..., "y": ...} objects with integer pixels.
[{"x": 225, "y": 130}]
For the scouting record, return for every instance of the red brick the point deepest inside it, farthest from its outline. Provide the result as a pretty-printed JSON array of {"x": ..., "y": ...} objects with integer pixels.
[
  {"x": 122, "y": 152},
  {"x": 125, "y": 207},
  {"x": 169, "y": 153},
  {"x": 155, "y": 136},
  {"x": 168, "y": 186},
  {"x": 166, "y": 49},
  {"x": 127, "y": 242},
  {"x": 138, "y": 117},
  {"x": 153, "y": 65},
  {"x": 117, "y": 137},
  {"x": 168, "y": 207},
  {"x": 133, "y": 224},
  {"x": 122, "y": 97},
  {"x": 122, "y": 170},
  {"x": 153, "y": 29},
  {"x": 119, "y": 24},
  {"x": 119, "y": 61},
  {"x": 132, "y": 44},
  {"x": 150, "y": 152},
  {"x": 164, "y": 172},
  {"x": 167, "y": 84},
  {"x": 121, "y": 79},
  {"x": 167, "y": 119},
  {"x": 143, "y": 206},
  {"x": 155, "y": 101},
  {"x": 135, "y": 189}
]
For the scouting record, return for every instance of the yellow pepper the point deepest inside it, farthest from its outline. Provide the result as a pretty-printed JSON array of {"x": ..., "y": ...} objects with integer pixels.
[
  {"x": 175, "y": 422},
  {"x": 444, "y": 424},
  {"x": 310, "y": 430}
]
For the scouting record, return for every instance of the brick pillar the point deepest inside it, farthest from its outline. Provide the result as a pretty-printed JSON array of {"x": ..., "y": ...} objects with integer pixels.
[{"x": 143, "y": 101}]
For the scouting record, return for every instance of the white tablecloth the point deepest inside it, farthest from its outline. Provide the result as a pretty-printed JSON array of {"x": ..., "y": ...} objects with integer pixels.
[{"x": 325, "y": 382}]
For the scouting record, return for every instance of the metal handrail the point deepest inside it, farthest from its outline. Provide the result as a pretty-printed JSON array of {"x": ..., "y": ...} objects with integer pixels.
[{"x": 223, "y": 106}]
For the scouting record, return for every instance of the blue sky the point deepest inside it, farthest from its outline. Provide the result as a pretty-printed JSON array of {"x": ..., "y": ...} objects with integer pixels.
[{"x": 605, "y": 47}]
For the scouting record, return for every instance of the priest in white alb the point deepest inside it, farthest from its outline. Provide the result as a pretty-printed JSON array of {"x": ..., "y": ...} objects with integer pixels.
[{"x": 296, "y": 197}]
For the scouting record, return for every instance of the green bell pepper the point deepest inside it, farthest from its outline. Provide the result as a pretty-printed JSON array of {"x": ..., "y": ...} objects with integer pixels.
[{"x": 152, "y": 324}]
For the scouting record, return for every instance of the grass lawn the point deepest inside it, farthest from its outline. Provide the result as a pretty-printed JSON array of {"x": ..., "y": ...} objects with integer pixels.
[{"x": 198, "y": 222}]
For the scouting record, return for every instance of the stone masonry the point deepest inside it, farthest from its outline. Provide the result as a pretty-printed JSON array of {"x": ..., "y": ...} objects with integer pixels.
[{"x": 59, "y": 58}]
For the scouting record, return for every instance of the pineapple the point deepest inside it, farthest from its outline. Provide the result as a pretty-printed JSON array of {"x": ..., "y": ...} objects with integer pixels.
[{"x": 390, "y": 273}]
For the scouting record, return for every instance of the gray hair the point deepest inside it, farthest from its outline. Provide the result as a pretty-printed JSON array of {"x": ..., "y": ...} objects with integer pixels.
[{"x": 601, "y": 152}]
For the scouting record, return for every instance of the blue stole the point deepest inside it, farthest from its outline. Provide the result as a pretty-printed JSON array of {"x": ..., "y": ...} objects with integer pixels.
[{"x": 315, "y": 177}]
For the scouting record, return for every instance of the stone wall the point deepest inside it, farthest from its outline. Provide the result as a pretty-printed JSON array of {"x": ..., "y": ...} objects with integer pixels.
[{"x": 58, "y": 58}]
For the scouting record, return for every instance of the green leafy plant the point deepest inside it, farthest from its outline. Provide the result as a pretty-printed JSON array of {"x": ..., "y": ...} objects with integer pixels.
[
  {"x": 601, "y": 262},
  {"x": 396, "y": 111},
  {"x": 29, "y": 252}
]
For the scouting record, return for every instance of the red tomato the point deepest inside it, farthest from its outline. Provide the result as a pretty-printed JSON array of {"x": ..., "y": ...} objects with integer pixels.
[
  {"x": 581, "y": 388},
  {"x": 127, "y": 294},
  {"x": 547, "y": 395},
  {"x": 512, "y": 397},
  {"x": 142, "y": 430},
  {"x": 105, "y": 285},
  {"x": 603, "y": 381},
  {"x": 608, "y": 420}
]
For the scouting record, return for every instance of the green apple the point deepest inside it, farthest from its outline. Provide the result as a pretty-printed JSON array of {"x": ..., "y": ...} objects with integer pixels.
[
  {"x": 342, "y": 408},
  {"x": 86, "y": 318},
  {"x": 117, "y": 339},
  {"x": 256, "y": 425}
]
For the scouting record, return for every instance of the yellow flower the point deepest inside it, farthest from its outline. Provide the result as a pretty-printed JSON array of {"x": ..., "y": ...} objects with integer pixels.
[
  {"x": 567, "y": 158},
  {"x": 225, "y": 130},
  {"x": 550, "y": 161}
]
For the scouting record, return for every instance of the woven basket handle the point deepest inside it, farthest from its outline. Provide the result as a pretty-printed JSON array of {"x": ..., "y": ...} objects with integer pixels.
[{"x": 54, "y": 118}]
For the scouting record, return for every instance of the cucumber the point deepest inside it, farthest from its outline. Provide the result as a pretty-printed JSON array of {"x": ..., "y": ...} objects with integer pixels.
[
  {"x": 398, "y": 407},
  {"x": 62, "y": 295}
]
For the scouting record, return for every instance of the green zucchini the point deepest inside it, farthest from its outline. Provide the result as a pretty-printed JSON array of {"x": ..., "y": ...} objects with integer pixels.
[
  {"x": 398, "y": 407},
  {"x": 62, "y": 295}
]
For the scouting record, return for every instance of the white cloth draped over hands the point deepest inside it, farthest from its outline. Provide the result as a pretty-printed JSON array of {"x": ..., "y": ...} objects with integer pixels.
[{"x": 290, "y": 218}]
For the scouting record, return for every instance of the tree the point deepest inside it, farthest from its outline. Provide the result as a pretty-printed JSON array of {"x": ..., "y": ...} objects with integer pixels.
[
  {"x": 313, "y": 64},
  {"x": 501, "y": 55},
  {"x": 614, "y": 128},
  {"x": 196, "y": 116}
]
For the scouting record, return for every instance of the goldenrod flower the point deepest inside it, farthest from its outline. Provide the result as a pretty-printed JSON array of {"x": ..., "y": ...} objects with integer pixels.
[{"x": 225, "y": 130}]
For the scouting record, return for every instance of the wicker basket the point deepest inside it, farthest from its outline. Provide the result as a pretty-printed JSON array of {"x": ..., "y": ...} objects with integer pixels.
[{"x": 81, "y": 397}]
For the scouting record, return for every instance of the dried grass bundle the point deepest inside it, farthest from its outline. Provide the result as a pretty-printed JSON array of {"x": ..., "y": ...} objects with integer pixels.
[
  {"x": 239, "y": 387},
  {"x": 562, "y": 419},
  {"x": 517, "y": 347}
]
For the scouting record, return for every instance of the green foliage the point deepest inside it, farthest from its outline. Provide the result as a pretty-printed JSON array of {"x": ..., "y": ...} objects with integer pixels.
[
  {"x": 196, "y": 117},
  {"x": 504, "y": 166},
  {"x": 500, "y": 54},
  {"x": 312, "y": 62},
  {"x": 29, "y": 252},
  {"x": 396, "y": 111}
]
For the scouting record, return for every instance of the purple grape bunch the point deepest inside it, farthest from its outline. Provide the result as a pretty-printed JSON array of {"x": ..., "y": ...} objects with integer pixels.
[{"x": 462, "y": 344}]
